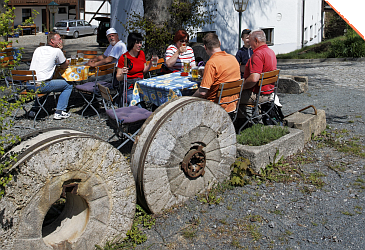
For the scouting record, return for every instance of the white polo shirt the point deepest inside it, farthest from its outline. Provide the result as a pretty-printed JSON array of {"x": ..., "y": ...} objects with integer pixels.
[
  {"x": 44, "y": 61},
  {"x": 115, "y": 51}
]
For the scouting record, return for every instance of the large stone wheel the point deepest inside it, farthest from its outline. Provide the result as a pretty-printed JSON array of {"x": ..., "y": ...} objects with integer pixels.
[
  {"x": 92, "y": 176},
  {"x": 183, "y": 148}
]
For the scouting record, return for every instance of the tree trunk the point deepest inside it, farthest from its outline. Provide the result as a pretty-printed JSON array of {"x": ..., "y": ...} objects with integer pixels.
[{"x": 157, "y": 11}]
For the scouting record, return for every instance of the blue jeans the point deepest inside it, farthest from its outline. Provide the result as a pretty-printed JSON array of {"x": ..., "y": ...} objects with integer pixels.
[{"x": 56, "y": 85}]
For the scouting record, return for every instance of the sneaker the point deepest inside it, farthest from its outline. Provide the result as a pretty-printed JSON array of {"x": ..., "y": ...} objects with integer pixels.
[{"x": 63, "y": 115}]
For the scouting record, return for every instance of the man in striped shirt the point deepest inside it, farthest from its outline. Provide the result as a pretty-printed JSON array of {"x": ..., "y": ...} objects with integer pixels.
[{"x": 178, "y": 53}]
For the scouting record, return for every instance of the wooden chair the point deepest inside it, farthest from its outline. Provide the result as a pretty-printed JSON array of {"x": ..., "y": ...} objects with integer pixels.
[
  {"x": 123, "y": 118},
  {"x": 228, "y": 89},
  {"x": 7, "y": 63},
  {"x": 89, "y": 88},
  {"x": 88, "y": 54},
  {"x": 267, "y": 78},
  {"x": 156, "y": 69},
  {"x": 19, "y": 79}
]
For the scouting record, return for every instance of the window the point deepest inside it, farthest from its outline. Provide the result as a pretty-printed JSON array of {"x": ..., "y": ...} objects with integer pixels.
[
  {"x": 86, "y": 23},
  {"x": 269, "y": 33},
  {"x": 72, "y": 24},
  {"x": 62, "y": 10},
  {"x": 311, "y": 32},
  {"x": 26, "y": 13},
  {"x": 80, "y": 23},
  {"x": 200, "y": 36}
]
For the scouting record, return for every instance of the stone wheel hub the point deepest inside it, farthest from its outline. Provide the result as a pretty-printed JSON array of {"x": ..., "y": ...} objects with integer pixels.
[{"x": 194, "y": 162}]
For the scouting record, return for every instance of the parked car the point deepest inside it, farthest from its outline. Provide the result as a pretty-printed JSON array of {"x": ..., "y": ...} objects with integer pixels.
[
  {"x": 104, "y": 25},
  {"x": 75, "y": 28}
]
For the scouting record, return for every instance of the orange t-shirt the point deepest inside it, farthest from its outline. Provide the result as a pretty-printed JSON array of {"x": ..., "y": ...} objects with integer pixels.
[{"x": 221, "y": 67}]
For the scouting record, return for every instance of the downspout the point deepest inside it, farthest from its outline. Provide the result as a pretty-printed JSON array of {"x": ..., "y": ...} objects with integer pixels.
[
  {"x": 322, "y": 20},
  {"x": 303, "y": 12}
]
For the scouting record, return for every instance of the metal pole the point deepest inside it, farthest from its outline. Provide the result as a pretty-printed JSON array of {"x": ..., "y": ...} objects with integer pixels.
[
  {"x": 239, "y": 31},
  {"x": 52, "y": 21}
]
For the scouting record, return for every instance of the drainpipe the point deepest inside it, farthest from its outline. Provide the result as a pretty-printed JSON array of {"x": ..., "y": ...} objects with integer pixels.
[{"x": 303, "y": 12}]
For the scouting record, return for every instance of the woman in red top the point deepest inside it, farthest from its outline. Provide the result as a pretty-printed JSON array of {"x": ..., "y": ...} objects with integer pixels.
[{"x": 136, "y": 63}]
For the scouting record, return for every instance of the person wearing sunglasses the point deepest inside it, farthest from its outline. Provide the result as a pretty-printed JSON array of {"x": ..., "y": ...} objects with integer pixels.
[{"x": 178, "y": 53}]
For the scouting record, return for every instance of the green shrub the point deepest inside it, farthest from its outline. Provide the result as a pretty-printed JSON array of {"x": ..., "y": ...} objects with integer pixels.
[
  {"x": 259, "y": 134},
  {"x": 352, "y": 46}
]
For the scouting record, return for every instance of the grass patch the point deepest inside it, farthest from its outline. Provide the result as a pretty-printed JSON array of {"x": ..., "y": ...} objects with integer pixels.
[
  {"x": 259, "y": 135},
  {"x": 212, "y": 196}
]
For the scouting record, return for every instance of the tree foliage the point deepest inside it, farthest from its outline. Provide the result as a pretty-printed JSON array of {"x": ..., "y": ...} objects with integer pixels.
[
  {"x": 9, "y": 101},
  {"x": 190, "y": 15},
  {"x": 353, "y": 45}
]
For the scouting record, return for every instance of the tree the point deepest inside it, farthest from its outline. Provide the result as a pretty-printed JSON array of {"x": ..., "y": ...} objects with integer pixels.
[{"x": 162, "y": 18}]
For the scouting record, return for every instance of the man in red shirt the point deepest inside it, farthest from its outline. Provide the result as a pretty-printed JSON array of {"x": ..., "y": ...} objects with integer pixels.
[{"x": 262, "y": 60}]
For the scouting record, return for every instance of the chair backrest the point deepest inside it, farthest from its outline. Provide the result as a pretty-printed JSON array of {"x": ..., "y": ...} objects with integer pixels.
[
  {"x": 105, "y": 93},
  {"x": 105, "y": 69},
  {"x": 159, "y": 65},
  {"x": 23, "y": 75},
  {"x": 42, "y": 44},
  {"x": 6, "y": 60},
  {"x": 230, "y": 89},
  {"x": 89, "y": 56},
  {"x": 88, "y": 52},
  {"x": 271, "y": 77}
]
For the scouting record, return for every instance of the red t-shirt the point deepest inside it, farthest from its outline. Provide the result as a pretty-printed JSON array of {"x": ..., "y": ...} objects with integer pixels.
[
  {"x": 262, "y": 60},
  {"x": 137, "y": 62}
]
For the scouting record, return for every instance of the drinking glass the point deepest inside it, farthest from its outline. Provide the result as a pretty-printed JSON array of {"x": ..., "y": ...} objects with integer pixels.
[
  {"x": 154, "y": 60},
  {"x": 194, "y": 72},
  {"x": 73, "y": 59},
  {"x": 80, "y": 57},
  {"x": 186, "y": 67}
]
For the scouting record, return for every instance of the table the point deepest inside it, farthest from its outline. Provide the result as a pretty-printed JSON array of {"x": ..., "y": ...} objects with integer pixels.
[
  {"x": 29, "y": 27},
  {"x": 76, "y": 73},
  {"x": 161, "y": 89}
]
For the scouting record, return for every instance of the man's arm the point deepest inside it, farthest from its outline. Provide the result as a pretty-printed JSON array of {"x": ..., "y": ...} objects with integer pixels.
[
  {"x": 64, "y": 65},
  {"x": 251, "y": 80},
  {"x": 103, "y": 61},
  {"x": 201, "y": 92}
]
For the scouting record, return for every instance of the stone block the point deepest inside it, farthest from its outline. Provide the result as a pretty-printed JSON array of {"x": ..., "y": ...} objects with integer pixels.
[
  {"x": 292, "y": 84},
  {"x": 311, "y": 124},
  {"x": 261, "y": 156}
]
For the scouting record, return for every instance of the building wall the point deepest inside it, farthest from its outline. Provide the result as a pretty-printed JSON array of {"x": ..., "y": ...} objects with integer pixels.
[
  {"x": 283, "y": 17},
  {"x": 93, "y": 6}
]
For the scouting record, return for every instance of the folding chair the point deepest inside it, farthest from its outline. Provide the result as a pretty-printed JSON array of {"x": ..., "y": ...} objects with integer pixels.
[
  {"x": 267, "y": 78},
  {"x": 227, "y": 89},
  {"x": 19, "y": 78},
  {"x": 158, "y": 67},
  {"x": 6, "y": 64},
  {"x": 90, "y": 87},
  {"x": 123, "y": 118}
]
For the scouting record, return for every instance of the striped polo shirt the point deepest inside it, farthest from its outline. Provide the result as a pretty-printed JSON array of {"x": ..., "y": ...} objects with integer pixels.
[{"x": 187, "y": 56}]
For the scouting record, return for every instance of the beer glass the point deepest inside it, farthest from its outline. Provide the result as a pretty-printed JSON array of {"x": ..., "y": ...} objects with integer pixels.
[
  {"x": 186, "y": 67},
  {"x": 73, "y": 59},
  {"x": 194, "y": 72},
  {"x": 154, "y": 60},
  {"x": 80, "y": 57}
]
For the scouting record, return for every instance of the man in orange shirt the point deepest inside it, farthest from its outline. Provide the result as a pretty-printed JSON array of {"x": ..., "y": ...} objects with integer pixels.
[{"x": 221, "y": 67}]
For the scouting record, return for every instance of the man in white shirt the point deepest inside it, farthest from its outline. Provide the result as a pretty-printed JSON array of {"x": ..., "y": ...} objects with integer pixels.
[
  {"x": 115, "y": 49},
  {"x": 44, "y": 61}
]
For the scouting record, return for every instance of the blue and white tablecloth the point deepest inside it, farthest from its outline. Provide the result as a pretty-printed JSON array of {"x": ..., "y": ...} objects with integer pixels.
[{"x": 161, "y": 89}]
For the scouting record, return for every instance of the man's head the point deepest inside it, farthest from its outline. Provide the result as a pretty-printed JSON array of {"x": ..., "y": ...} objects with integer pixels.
[
  {"x": 244, "y": 36},
  {"x": 211, "y": 43},
  {"x": 112, "y": 36},
  {"x": 53, "y": 39},
  {"x": 257, "y": 38}
]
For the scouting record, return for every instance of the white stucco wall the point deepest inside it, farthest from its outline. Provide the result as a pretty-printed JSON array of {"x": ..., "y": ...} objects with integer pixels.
[{"x": 93, "y": 6}]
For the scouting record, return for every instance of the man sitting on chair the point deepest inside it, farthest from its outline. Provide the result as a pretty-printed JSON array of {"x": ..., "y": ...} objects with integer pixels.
[
  {"x": 44, "y": 61},
  {"x": 262, "y": 60},
  {"x": 221, "y": 67},
  {"x": 115, "y": 49}
]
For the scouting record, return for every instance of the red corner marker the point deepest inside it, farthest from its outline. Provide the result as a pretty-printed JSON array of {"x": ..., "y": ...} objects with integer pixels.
[{"x": 351, "y": 13}]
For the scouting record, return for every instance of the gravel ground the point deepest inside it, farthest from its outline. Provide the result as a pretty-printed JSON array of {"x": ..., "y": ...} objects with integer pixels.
[{"x": 293, "y": 215}]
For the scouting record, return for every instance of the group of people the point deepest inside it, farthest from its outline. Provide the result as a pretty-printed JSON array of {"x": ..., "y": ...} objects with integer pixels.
[{"x": 251, "y": 60}]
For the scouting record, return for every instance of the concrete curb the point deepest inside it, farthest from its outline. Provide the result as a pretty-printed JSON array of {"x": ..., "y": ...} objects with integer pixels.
[
  {"x": 261, "y": 156},
  {"x": 348, "y": 59}
]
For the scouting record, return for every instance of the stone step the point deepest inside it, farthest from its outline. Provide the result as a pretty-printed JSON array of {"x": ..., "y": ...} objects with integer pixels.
[{"x": 311, "y": 124}]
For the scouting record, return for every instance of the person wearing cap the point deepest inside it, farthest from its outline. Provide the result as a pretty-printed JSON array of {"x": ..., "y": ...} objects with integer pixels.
[
  {"x": 244, "y": 53},
  {"x": 115, "y": 49}
]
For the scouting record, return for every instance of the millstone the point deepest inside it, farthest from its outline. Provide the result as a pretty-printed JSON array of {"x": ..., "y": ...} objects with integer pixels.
[
  {"x": 187, "y": 133},
  {"x": 94, "y": 180}
]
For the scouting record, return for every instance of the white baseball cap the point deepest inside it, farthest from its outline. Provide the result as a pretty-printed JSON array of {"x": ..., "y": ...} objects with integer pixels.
[{"x": 111, "y": 31}]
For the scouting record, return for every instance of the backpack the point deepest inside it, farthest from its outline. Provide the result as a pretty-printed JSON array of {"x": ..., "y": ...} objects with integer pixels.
[{"x": 275, "y": 114}]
